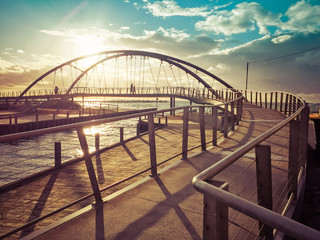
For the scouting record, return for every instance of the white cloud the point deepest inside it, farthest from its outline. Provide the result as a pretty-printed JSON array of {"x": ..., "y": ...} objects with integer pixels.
[
  {"x": 281, "y": 39},
  {"x": 302, "y": 17},
  {"x": 169, "y": 8},
  {"x": 124, "y": 28},
  {"x": 245, "y": 16},
  {"x": 171, "y": 40}
]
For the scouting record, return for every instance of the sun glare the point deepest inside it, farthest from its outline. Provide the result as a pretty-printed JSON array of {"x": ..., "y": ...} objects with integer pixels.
[{"x": 85, "y": 45}]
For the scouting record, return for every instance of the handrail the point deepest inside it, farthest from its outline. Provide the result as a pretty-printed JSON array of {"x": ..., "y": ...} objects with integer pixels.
[
  {"x": 16, "y": 136},
  {"x": 268, "y": 217}
]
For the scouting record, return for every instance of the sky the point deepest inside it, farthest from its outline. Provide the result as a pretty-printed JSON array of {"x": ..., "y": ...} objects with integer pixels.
[{"x": 219, "y": 36}]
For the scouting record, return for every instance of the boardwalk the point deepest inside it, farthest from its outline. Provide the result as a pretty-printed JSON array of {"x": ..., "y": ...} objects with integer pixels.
[{"x": 161, "y": 208}]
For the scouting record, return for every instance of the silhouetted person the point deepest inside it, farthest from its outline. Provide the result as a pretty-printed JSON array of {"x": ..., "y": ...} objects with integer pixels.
[{"x": 56, "y": 90}]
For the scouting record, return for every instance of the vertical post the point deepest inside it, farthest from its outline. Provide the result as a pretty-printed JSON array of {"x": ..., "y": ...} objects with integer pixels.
[
  {"x": 185, "y": 129},
  {"x": 152, "y": 146},
  {"x": 290, "y": 105},
  {"x": 232, "y": 116},
  {"x": 271, "y": 96},
  {"x": 225, "y": 119},
  {"x": 293, "y": 156},
  {"x": 276, "y": 101},
  {"x": 286, "y": 104},
  {"x": 266, "y": 100},
  {"x": 264, "y": 184},
  {"x": 304, "y": 135},
  {"x": 256, "y": 98},
  {"x": 121, "y": 134},
  {"x": 97, "y": 141},
  {"x": 214, "y": 125},
  {"x": 215, "y": 216},
  {"x": 57, "y": 154},
  {"x": 281, "y": 101},
  {"x": 89, "y": 165},
  {"x": 247, "y": 75},
  {"x": 260, "y": 99},
  {"x": 202, "y": 128}
]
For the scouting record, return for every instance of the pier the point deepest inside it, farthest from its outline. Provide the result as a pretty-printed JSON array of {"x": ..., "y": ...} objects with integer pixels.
[
  {"x": 231, "y": 167},
  {"x": 147, "y": 206}
]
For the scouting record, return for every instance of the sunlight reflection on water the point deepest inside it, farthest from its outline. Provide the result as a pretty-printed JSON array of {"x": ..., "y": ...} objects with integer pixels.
[{"x": 27, "y": 156}]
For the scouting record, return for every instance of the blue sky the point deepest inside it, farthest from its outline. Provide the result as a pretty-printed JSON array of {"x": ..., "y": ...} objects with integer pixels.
[{"x": 220, "y": 36}]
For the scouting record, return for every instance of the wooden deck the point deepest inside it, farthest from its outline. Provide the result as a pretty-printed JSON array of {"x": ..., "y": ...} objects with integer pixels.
[{"x": 164, "y": 207}]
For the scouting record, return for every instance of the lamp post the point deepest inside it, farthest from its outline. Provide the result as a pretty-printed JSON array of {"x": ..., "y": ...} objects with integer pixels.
[{"x": 247, "y": 75}]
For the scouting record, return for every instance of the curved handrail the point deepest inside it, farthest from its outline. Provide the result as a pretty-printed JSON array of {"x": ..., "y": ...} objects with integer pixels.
[{"x": 270, "y": 218}]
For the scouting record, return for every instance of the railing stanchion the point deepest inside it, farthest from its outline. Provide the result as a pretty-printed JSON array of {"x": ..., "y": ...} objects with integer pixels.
[
  {"x": 152, "y": 146},
  {"x": 286, "y": 104},
  {"x": 121, "y": 134},
  {"x": 185, "y": 129},
  {"x": 232, "y": 116},
  {"x": 215, "y": 216},
  {"x": 57, "y": 154},
  {"x": 225, "y": 121},
  {"x": 97, "y": 141},
  {"x": 202, "y": 128},
  {"x": 304, "y": 135},
  {"x": 264, "y": 185},
  {"x": 293, "y": 156},
  {"x": 214, "y": 125}
]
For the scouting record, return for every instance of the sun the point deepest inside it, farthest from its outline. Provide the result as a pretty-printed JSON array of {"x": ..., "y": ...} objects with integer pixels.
[{"x": 85, "y": 45}]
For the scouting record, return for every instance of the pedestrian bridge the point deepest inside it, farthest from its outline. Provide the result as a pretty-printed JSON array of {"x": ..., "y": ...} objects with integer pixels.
[{"x": 239, "y": 165}]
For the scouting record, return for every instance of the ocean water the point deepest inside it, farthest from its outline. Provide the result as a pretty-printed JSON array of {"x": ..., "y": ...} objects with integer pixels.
[{"x": 28, "y": 156}]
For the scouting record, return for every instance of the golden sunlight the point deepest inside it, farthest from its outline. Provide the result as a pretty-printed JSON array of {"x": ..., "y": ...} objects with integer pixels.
[{"x": 85, "y": 45}]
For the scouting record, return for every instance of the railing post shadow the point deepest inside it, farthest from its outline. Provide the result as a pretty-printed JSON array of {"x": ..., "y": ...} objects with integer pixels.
[
  {"x": 152, "y": 146},
  {"x": 215, "y": 216},
  {"x": 185, "y": 129},
  {"x": 264, "y": 185},
  {"x": 89, "y": 165}
]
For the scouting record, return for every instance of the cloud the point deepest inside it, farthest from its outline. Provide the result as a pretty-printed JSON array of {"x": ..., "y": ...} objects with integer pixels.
[
  {"x": 302, "y": 17},
  {"x": 245, "y": 16},
  {"x": 168, "y": 8},
  {"x": 281, "y": 39},
  {"x": 172, "y": 40}
]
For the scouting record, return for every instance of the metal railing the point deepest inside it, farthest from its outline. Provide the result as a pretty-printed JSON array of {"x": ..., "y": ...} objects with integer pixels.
[
  {"x": 230, "y": 112},
  {"x": 297, "y": 111}
]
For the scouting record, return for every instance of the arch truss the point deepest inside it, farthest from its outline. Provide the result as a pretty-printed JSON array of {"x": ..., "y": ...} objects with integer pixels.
[{"x": 122, "y": 69}]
